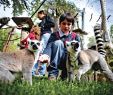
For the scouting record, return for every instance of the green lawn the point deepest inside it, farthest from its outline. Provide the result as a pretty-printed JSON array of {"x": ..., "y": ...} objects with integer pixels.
[{"x": 42, "y": 86}]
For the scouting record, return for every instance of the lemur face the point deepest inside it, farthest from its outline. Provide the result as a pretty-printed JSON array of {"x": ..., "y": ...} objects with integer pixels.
[
  {"x": 34, "y": 45},
  {"x": 72, "y": 45}
]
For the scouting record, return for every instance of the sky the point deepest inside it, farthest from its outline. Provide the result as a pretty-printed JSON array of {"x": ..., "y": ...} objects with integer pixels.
[
  {"x": 95, "y": 9},
  {"x": 90, "y": 8}
]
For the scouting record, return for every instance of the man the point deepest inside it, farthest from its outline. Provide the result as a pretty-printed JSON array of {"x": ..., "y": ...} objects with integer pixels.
[{"x": 46, "y": 24}]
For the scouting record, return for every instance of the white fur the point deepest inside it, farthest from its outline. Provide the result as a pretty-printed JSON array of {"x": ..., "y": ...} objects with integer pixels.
[{"x": 37, "y": 51}]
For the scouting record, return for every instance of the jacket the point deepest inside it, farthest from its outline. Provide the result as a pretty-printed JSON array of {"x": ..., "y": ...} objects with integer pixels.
[
  {"x": 56, "y": 36},
  {"x": 46, "y": 24}
]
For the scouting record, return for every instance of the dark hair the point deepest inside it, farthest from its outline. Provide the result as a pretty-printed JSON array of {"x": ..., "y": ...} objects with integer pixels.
[
  {"x": 42, "y": 11},
  {"x": 68, "y": 17}
]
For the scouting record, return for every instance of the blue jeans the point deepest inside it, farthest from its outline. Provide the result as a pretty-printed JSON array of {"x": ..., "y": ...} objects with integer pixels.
[
  {"x": 44, "y": 39},
  {"x": 42, "y": 70},
  {"x": 58, "y": 59}
]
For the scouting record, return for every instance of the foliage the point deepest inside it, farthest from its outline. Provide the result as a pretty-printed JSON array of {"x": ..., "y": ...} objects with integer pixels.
[
  {"x": 111, "y": 29},
  {"x": 12, "y": 46},
  {"x": 111, "y": 32},
  {"x": 3, "y": 35},
  {"x": 60, "y": 6},
  {"x": 34, "y": 5},
  {"x": 18, "y": 6},
  {"x": 41, "y": 86},
  {"x": 91, "y": 41},
  {"x": 15, "y": 39},
  {"x": 57, "y": 7}
]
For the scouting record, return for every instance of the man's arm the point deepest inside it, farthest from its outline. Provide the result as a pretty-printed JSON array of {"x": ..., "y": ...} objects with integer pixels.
[{"x": 46, "y": 56}]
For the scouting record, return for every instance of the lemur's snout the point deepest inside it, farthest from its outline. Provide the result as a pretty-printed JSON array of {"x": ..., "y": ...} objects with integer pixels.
[
  {"x": 72, "y": 45},
  {"x": 35, "y": 45}
]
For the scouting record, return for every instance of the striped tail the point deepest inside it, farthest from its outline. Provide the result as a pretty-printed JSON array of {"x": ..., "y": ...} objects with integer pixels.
[{"x": 99, "y": 40}]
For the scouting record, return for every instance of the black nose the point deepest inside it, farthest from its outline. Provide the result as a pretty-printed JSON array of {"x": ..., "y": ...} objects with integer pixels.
[{"x": 35, "y": 47}]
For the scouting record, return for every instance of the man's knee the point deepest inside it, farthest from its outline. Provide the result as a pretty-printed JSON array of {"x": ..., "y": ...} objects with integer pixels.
[{"x": 59, "y": 43}]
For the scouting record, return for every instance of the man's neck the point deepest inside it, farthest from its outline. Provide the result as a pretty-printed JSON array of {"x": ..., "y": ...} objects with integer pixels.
[
  {"x": 63, "y": 33},
  {"x": 66, "y": 33}
]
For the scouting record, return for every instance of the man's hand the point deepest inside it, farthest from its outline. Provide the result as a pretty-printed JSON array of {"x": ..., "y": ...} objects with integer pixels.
[{"x": 44, "y": 59}]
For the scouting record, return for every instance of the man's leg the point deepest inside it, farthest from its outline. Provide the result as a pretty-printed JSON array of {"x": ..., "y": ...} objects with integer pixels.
[
  {"x": 56, "y": 57},
  {"x": 44, "y": 39}
]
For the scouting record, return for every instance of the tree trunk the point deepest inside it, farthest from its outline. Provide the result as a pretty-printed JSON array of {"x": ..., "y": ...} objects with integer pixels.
[{"x": 105, "y": 33}]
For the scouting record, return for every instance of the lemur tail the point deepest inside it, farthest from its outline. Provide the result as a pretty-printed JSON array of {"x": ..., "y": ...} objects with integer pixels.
[{"x": 99, "y": 40}]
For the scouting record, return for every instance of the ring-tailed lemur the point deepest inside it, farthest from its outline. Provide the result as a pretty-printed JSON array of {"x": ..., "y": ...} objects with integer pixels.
[
  {"x": 99, "y": 40},
  {"x": 87, "y": 59}
]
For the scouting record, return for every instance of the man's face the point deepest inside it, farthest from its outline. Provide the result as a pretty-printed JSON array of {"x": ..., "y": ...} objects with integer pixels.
[
  {"x": 65, "y": 26},
  {"x": 40, "y": 16}
]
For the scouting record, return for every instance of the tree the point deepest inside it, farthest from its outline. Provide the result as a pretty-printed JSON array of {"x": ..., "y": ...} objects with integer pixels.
[
  {"x": 111, "y": 32},
  {"x": 103, "y": 23},
  {"x": 18, "y": 6},
  {"x": 92, "y": 41},
  {"x": 57, "y": 7},
  {"x": 12, "y": 44}
]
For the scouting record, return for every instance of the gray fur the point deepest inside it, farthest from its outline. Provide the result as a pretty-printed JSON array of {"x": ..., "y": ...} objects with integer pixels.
[
  {"x": 19, "y": 61},
  {"x": 87, "y": 59}
]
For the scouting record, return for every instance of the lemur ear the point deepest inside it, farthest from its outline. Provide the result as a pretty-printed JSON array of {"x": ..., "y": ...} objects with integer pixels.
[{"x": 28, "y": 40}]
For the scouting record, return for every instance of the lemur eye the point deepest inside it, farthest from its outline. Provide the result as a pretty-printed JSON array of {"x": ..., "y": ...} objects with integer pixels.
[
  {"x": 38, "y": 44},
  {"x": 73, "y": 43},
  {"x": 67, "y": 45},
  {"x": 32, "y": 43}
]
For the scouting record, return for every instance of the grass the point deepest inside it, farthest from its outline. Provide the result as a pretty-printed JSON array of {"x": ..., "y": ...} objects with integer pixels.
[{"x": 42, "y": 86}]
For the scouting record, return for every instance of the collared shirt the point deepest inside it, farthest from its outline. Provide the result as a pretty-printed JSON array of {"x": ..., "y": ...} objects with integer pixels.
[{"x": 59, "y": 35}]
